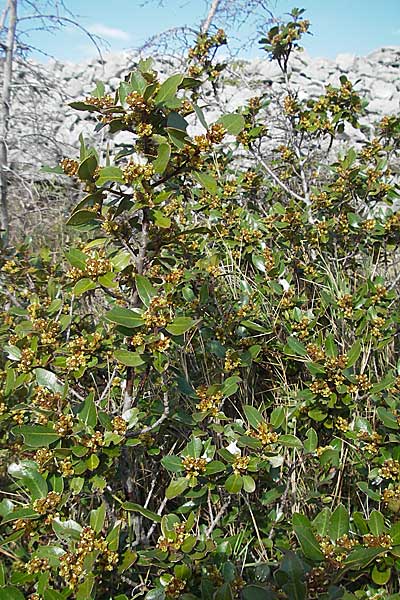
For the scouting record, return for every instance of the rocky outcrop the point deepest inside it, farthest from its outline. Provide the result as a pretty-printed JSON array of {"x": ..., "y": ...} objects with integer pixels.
[{"x": 44, "y": 128}]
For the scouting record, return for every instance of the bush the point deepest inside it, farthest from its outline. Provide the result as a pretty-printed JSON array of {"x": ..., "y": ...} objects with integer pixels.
[{"x": 202, "y": 404}]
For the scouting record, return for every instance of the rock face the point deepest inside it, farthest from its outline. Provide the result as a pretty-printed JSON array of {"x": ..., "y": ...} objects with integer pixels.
[{"x": 44, "y": 128}]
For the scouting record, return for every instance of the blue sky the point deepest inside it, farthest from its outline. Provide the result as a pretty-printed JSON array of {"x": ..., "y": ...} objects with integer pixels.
[{"x": 356, "y": 26}]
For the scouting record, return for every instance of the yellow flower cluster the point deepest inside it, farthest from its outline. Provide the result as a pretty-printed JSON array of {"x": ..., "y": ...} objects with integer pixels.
[
  {"x": 346, "y": 304},
  {"x": 153, "y": 316},
  {"x": 194, "y": 466},
  {"x": 47, "y": 504},
  {"x": 265, "y": 435},
  {"x": 378, "y": 541},
  {"x": 43, "y": 456},
  {"x": 208, "y": 402},
  {"x": 390, "y": 469},
  {"x": 37, "y": 565},
  {"x": 26, "y": 360},
  {"x": 175, "y": 587},
  {"x": 134, "y": 171},
  {"x": 94, "y": 442},
  {"x": 46, "y": 399},
  {"x": 167, "y": 544},
  {"x": 69, "y": 166},
  {"x": 63, "y": 425},
  {"x": 105, "y": 102},
  {"x": 72, "y": 563},
  {"x": 119, "y": 425},
  {"x": 240, "y": 464}
]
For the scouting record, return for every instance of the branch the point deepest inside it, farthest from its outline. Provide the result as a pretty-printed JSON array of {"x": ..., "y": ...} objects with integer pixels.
[
  {"x": 282, "y": 185},
  {"x": 205, "y": 26},
  {"x": 160, "y": 420},
  {"x": 6, "y": 101}
]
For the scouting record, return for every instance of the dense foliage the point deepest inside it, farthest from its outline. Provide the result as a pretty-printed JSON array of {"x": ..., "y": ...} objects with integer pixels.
[{"x": 199, "y": 399}]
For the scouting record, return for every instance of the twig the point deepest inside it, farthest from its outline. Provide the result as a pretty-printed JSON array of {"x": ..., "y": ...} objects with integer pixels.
[
  {"x": 160, "y": 420},
  {"x": 276, "y": 178},
  {"x": 217, "y": 518}
]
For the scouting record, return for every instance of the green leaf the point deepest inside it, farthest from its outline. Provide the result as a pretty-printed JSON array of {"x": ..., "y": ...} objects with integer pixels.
[
  {"x": 76, "y": 258},
  {"x": 200, "y": 115},
  {"x": 180, "y": 325},
  {"x": 278, "y": 416},
  {"x": 66, "y": 530},
  {"x": 87, "y": 168},
  {"x": 387, "y": 417},
  {"x": 249, "y": 485},
  {"x": 161, "y": 220},
  {"x": 22, "y": 513},
  {"x": 36, "y": 436},
  {"x": 294, "y": 347},
  {"x": 125, "y": 316},
  {"x": 81, "y": 217},
  {"x": 149, "y": 514},
  {"x": 176, "y": 121},
  {"x": 109, "y": 174},
  {"x": 11, "y": 593},
  {"x": 384, "y": 384},
  {"x": 330, "y": 345},
  {"x": 353, "y": 354},
  {"x": 26, "y": 472},
  {"x": 168, "y": 89},
  {"x": 82, "y": 106},
  {"x": 47, "y": 169},
  {"x": 256, "y": 592},
  {"x": 230, "y": 386},
  {"x": 36, "y": 484},
  {"x": 290, "y": 441},
  {"x": 88, "y": 413},
  {"x": 339, "y": 524},
  {"x": 145, "y": 289},
  {"x": 156, "y": 594},
  {"x": 308, "y": 542},
  {"x": 162, "y": 160},
  {"x": 172, "y": 463},
  {"x": 233, "y": 123},
  {"x": 84, "y": 591},
  {"x": 48, "y": 380},
  {"x": 207, "y": 181},
  {"x": 130, "y": 359},
  {"x": 253, "y": 416},
  {"x": 322, "y": 521},
  {"x": 97, "y": 518},
  {"x": 361, "y": 557},
  {"x": 381, "y": 577},
  {"x": 234, "y": 483},
  {"x": 83, "y": 285},
  {"x": 311, "y": 443},
  {"x": 176, "y": 487},
  {"x": 376, "y": 523},
  {"x": 215, "y": 466},
  {"x": 50, "y": 594}
]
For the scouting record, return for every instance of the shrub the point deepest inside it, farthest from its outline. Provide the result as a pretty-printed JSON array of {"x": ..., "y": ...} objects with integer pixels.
[{"x": 202, "y": 404}]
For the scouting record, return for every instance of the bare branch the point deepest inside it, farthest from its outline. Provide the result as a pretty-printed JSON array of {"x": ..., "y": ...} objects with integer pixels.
[{"x": 5, "y": 101}]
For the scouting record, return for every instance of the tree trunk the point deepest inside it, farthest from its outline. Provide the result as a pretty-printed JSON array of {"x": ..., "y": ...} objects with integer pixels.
[
  {"x": 6, "y": 104},
  {"x": 211, "y": 14}
]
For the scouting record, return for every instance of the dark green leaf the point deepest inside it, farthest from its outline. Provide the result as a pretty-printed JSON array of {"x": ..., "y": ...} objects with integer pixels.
[
  {"x": 233, "y": 123},
  {"x": 125, "y": 316},
  {"x": 339, "y": 523},
  {"x": 130, "y": 359},
  {"x": 145, "y": 289},
  {"x": 180, "y": 325},
  {"x": 36, "y": 436}
]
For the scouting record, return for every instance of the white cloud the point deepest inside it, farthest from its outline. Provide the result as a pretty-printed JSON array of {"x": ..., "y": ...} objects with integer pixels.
[{"x": 111, "y": 33}]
